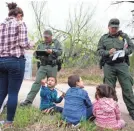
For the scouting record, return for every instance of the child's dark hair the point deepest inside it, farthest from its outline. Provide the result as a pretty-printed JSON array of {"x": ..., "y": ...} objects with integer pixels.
[
  {"x": 105, "y": 90},
  {"x": 72, "y": 80},
  {"x": 14, "y": 10},
  {"x": 52, "y": 77}
]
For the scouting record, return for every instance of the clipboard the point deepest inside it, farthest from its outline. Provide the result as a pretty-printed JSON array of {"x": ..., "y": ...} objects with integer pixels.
[{"x": 42, "y": 53}]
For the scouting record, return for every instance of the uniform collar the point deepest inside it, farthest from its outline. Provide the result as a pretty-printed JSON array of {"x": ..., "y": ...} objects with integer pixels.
[
  {"x": 109, "y": 35},
  {"x": 48, "y": 43}
]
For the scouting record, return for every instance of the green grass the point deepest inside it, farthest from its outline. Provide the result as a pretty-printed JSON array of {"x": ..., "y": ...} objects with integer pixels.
[
  {"x": 31, "y": 119},
  {"x": 26, "y": 116}
]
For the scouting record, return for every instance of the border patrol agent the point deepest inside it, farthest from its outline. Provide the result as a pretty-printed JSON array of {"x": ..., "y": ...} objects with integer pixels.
[
  {"x": 48, "y": 64},
  {"x": 119, "y": 68}
]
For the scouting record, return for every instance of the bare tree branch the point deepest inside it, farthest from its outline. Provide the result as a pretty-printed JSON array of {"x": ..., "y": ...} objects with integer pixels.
[
  {"x": 38, "y": 9},
  {"x": 119, "y": 2},
  {"x": 75, "y": 38}
]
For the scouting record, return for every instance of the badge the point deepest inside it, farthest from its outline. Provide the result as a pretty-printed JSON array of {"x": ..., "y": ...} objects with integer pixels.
[
  {"x": 120, "y": 38},
  {"x": 53, "y": 45}
]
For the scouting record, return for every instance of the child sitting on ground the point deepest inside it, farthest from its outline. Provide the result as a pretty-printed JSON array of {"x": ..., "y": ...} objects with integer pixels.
[
  {"x": 77, "y": 105},
  {"x": 106, "y": 109},
  {"x": 49, "y": 96}
]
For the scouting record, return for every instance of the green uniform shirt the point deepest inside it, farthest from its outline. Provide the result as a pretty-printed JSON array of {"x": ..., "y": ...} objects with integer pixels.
[
  {"x": 56, "y": 51},
  {"x": 108, "y": 42}
]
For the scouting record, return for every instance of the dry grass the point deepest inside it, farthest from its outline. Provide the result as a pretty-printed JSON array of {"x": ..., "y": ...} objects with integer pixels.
[
  {"x": 91, "y": 76},
  {"x": 31, "y": 119}
]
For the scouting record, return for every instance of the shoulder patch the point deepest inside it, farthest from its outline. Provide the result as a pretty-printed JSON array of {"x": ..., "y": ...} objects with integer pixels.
[
  {"x": 53, "y": 44},
  {"x": 120, "y": 38}
]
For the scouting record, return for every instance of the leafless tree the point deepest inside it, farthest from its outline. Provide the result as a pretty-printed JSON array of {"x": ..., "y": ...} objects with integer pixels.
[
  {"x": 79, "y": 36},
  {"x": 39, "y": 12},
  {"x": 119, "y": 2},
  {"x": 131, "y": 23}
]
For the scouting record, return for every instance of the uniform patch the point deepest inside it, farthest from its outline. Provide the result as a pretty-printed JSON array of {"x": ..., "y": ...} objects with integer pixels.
[
  {"x": 53, "y": 45},
  {"x": 120, "y": 38}
]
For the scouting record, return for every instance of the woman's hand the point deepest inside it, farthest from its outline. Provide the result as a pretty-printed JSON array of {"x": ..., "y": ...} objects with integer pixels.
[{"x": 32, "y": 44}]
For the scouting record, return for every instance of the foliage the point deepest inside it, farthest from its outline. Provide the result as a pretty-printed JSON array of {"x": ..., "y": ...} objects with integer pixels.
[{"x": 79, "y": 38}]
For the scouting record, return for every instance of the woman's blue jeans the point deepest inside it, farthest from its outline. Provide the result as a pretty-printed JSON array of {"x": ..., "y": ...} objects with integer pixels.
[{"x": 11, "y": 77}]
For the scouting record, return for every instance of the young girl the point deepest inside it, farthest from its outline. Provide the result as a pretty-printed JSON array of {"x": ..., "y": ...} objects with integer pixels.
[
  {"x": 49, "y": 96},
  {"x": 106, "y": 109},
  {"x": 77, "y": 105}
]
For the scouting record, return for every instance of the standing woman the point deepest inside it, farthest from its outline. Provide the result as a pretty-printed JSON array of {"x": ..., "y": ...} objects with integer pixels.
[{"x": 13, "y": 42}]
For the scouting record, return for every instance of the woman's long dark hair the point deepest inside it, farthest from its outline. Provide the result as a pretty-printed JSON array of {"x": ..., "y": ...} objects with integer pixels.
[
  {"x": 105, "y": 90},
  {"x": 14, "y": 10}
]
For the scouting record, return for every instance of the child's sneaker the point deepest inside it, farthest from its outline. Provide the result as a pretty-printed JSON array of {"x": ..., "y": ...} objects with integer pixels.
[
  {"x": 76, "y": 126},
  {"x": 92, "y": 118}
]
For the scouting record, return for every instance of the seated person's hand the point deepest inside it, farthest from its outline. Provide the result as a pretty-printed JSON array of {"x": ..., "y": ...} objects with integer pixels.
[
  {"x": 47, "y": 111},
  {"x": 63, "y": 95},
  {"x": 43, "y": 82}
]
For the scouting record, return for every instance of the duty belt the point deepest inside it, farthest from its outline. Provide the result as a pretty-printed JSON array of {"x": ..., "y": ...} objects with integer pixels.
[{"x": 52, "y": 63}]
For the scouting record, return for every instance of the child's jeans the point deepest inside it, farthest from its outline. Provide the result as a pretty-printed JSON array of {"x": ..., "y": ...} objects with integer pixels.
[
  {"x": 58, "y": 109},
  {"x": 89, "y": 112},
  {"x": 88, "y": 115},
  {"x": 55, "y": 109}
]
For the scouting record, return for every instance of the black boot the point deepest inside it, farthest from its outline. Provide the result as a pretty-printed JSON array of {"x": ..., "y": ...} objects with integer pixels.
[{"x": 25, "y": 103}]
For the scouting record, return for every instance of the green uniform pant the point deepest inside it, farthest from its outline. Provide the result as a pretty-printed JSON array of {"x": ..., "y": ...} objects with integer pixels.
[
  {"x": 121, "y": 72},
  {"x": 43, "y": 72}
]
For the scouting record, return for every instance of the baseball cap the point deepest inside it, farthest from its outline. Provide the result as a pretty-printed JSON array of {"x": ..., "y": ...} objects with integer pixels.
[
  {"x": 47, "y": 33},
  {"x": 114, "y": 22}
]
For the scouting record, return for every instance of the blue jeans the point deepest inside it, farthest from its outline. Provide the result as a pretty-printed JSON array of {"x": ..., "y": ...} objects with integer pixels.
[
  {"x": 11, "y": 77},
  {"x": 77, "y": 120},
  {"x": 89, "y": 112},
  {"x": 58, "y": 109}
]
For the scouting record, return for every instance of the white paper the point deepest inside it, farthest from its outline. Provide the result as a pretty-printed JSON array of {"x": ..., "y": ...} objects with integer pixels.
[
  {"x": 122, "y": 54},
  {"x": 118, "y": 54}
]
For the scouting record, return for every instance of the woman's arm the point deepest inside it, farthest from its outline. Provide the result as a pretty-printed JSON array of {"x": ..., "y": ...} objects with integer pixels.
[{"x": 23, "y": 36}]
